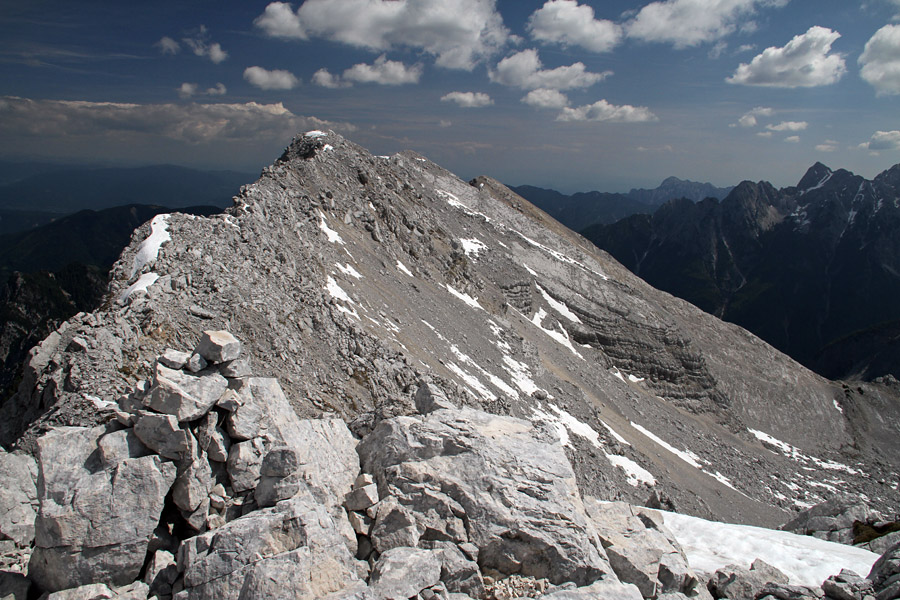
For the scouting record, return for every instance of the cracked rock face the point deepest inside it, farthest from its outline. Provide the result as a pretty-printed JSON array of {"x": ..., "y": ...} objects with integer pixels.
[{"x": 513, "y": 483}]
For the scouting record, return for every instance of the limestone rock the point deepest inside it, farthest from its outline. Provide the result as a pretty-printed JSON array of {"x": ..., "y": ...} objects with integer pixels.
[
  {"x": 430, "y": 398},
  {"x": 738, "y": 583},
  {"x": 362, "y": 497},
  {"x": 218, "y": 347},
  {"x": 14, "y": 586},
  {"x": 325, "y": 448},
  {"x": 783, "y": 591},
  {"x": 18, "y": 500},
  {"x": 402, "y": 573},
  {"x": 161, "y": 573},
  {"x": 847, "y": 585},
  {"x": 395, "y": 526},
  {"x": 599, "y": 589},
  {"x": 162, "y": 434},
  {"x": 94, "y": 523},
  {"x": 261, "y": 554},
  {"x": 885, "y": 574},
  {"x": 185, "y": 395},
  {"x": 174, "y": 359},
  {"x": 194, "y": 482},
  {"x": 116, "y": 446},
  {"x": 642, "y": 550},
  {"x": 832, "y": 520},
  {"x": 514, "y": 484},
  {"x": 244, "y": 464}
]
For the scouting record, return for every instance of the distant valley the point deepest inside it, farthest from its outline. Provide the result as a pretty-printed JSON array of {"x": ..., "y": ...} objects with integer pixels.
[
  {"x": 61, "y": 229},
  {"x": 584, "y": 209}
]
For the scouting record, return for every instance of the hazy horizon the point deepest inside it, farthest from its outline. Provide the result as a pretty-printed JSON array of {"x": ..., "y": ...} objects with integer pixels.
[{"x": 562, "y": 94}]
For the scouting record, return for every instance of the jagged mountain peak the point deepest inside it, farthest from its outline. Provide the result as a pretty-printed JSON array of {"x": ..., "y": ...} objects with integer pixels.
[
  {"x": 353, "y": 277},
  {"x": 815, "y": 177}
]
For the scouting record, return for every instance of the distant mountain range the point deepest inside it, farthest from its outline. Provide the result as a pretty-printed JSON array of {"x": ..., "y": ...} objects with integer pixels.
[
  {"x": 62, "y": 228},
  {"x": 67, "y": 190},
  {"x": 813, "y": 269},
  {"x": 584, "y": 209}
]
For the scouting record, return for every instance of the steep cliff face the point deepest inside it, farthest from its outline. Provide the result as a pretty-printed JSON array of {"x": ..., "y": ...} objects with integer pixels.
[
  {"x": 810, "y": 268},
  {"x": 352, "y": 277}
]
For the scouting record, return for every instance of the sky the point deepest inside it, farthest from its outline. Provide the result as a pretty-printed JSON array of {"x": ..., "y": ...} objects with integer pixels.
[{"x": 569, "y": 94}]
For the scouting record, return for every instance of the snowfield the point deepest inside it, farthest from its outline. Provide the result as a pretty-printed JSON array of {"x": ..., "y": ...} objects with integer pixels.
[{"x": 804, "y": 559}]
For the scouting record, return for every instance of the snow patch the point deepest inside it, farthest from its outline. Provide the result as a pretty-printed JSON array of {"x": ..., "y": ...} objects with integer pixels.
[
  {"x": 472, "y": 382},
  {"x": 804, "y": 559},
  {"x": 558, "y": 306},
  {"x": 635, "y": 474},
  {"x": 148, "y": 251},
  {"x": 685, "y": 455},
  {"x": 333, "y": 236},
  {"x": 473, "y": 302},
  {"x": 143, "y": 282},
  {"x": 795, "y": 454},
  {"x": 521, "y": 375},
  {"x": 315, "y": 133},
  {"x": 348, "y": 270},
  {"x": 838, "y": 406},
  {"x": 615, "y": 434},
  {"x": 473, "y": 247},
  {"x": 402, "y": 268},
  {"x": 561, "y": 336},
  {"x": 635, "y": 379}
]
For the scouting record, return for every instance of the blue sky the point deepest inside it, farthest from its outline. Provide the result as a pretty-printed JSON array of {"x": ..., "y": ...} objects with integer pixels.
[{"x": 574, "y": 95}]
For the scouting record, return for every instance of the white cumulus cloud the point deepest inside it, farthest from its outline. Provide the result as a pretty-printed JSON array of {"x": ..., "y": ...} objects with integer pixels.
[
  {"x": 793, "y": 139},
  {"x": 788, "y": 126},
  {"x": 880, "y": 61},
  {"x": 544, "y": 98},
  {"x": 685, "y": 23},
  {"x": 458, "y": 33},
  {"x": 167, "y": 45},
  {"x": 201, "y": 45},
  {"x": 748, "y": 119},
  {"x": 883, "y": 140},
  {"x": 192, "y": 123},
  {"x": 468, "y": 99},
  {"x": 604, "y": 111},
  {"x": 568, "y": 23},
  {"x": 187, "y": 90},
  {"x": 384, "y": 72},
  {"x": 827, "y": 146},
  {"x": 265, "y": 79},
  {"x": 806, "y": 61},
  {"x": 324, "y": 78},
  {"x": 525, "y": 70}
]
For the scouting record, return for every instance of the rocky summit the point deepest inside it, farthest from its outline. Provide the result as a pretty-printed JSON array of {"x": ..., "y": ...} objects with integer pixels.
[{"x": 370, "y": 379}]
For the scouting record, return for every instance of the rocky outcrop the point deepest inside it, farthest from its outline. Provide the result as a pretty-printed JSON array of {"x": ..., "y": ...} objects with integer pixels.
[
  {"x": 439, "y": 467},
  {"x": 834, "y": 520}
]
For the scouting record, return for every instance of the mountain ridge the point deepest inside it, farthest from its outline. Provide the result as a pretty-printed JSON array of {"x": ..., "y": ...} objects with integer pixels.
[
  {"x": 802, "y": 266},
  {"x": 359, "y": 275}
]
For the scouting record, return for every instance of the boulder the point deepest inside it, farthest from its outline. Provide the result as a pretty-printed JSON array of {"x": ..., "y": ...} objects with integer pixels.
[
  {"x": 402, "y": 573},
  {"x": 95, "y": 522},
  {"x": 244, "y": 464},
  {"x": 14, "y": 586},
  {"x": 174, "y": 359},
  {"x": 325, "y": 448},
  {"x": 162, "y": 434},
  {"x": 885, "y": 574},
  {"x": 116, "y": 446},
  {"x": 430, "y": 398},
  {"x": 362, "y": 497},
  {"x": 599, "y": 589},
  {"x": 218, "y": 347},
  {"x": 18, "y": 502},
  {"x": 641, "y": 550},
  {"x": 194, "y": 482},
  {"x": 783, "y": 591},
  {"x": 161, "y": 573},
  {"x": 738, "y": 583},
  {"x": 291, "y": 550},
  {"x": 395, "y": 526},
  {"x": 517, "y": 490},
  {"x": 832, "y": 520},
  {"x": 848, "y": 585},
  {"x": 185, "y": 395}
]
